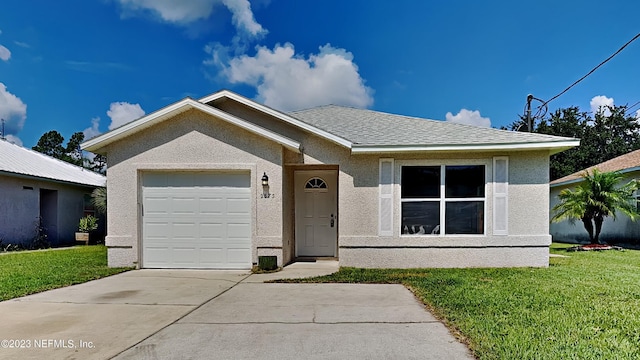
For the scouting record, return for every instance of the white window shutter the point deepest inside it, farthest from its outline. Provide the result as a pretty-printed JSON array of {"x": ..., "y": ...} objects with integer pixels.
[
  {"x": 501, "y": 195},
  {"x": 385, "y": 207}
]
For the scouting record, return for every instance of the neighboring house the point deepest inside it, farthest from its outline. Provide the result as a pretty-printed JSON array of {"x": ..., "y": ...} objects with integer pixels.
[
  {"x": 623, "y": 229},
  {"x": 35, "y": 186},
  {"x": 369, "y": 188}
]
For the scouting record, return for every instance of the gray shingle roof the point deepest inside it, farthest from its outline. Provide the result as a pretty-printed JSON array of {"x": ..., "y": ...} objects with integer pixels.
[
  {"x": 17, "y": 160},
  {"x": 373, "y": 128}
]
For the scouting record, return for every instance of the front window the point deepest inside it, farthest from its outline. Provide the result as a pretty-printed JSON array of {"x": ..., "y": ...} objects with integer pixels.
[{"x": 443, "y": 199}]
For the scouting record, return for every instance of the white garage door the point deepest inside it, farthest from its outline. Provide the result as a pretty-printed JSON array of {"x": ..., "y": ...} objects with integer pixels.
[{"x": 196, "y": 220}]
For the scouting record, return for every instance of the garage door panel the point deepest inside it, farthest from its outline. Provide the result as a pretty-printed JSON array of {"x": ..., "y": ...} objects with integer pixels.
[
  {"x": 197, "y": 220},
  {"x": 211, "y": 205},
  {"x": 184, "y": 255},
  {"x": 157, "y": 230},
  {"x": 237, "y": 255},
  {"x": 157, "y": 205},
  {"x": 238, "y": 231},
  {"x": 183, "y": 205},
  {"x": 238, "y": 206},
  {"x": 212, "y": 227},
  {"x": 181, "y": 230},
  {"x": 212, "y": 257}
]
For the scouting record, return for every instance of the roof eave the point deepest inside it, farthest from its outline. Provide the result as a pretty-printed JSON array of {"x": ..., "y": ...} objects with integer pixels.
[
  {"x": 57, "y": 181},
  {"x": 553, "y": 147},
  {"x": 580, "y": 179},
  {"x": 99, "y": 142}
]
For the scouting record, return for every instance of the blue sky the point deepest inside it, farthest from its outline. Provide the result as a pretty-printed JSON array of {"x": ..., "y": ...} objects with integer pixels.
[{"x": 91, "y": 65}]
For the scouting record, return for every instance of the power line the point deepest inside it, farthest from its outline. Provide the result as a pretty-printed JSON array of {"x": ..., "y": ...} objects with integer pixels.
[
  {"x": 589, "y": 73},
  {"x": 632, "y": 106}
]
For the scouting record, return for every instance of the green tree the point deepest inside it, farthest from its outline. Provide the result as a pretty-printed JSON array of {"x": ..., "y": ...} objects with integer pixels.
[
  {"x": 604, "y": 135},
  {"x": 97, "y": 164},
  {"x": 50, "y": 143},
  {"x": 569, "y": 122},
  {"x": 99, "y": 199},
  {"x": 73, "y": 154},
  {"x": 598, "y": 196}
]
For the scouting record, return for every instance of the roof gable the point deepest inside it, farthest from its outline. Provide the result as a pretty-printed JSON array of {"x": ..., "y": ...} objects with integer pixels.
[
  {"x": 277, "y": 114},
  {"x": 97, "y": 143},
  {"x": 18, "y": 161}
]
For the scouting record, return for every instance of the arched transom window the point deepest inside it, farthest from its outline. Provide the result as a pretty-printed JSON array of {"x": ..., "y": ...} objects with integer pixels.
[{"x": 315, "y": 183}]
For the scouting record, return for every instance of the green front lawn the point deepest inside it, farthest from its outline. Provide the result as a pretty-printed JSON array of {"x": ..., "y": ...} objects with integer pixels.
[
  {"x": 586, "y": 306},
  {"x": 24, "y": 273}
]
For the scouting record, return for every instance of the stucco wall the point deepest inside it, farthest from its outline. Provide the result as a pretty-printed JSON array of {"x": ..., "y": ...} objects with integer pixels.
[
  {"x": 20, "y": 205},
  {"x": 620, "y": 230},
  {"x": 526, "y": 245},
  {"x": 191, "y": 141}
]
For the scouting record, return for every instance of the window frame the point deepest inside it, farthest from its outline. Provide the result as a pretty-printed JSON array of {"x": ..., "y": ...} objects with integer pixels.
[{"x": 443, "y": 200}]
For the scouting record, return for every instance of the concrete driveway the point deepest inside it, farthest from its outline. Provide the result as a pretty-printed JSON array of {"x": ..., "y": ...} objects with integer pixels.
[{"x": 183, "y": 314}]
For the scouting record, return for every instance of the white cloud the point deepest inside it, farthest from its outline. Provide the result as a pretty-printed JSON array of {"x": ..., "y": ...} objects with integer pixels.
[
  {"x": 600, "y": 103},
  {"x": 287, "y": 81},
  {"x": 468, "y": 117},
  {"x": 22, "y": 44},
  {"x": 243, "y": 16},
  {"x": 12, "y": 110},
  {"x": 5, "y": 54},
  {"x": 14, "y": 139},
  {"x": 179, "y": 12},
  {"x": 93, "y": 130},
  {"x": 123, "y": 112},
  {"x": 184, "y": 12}
]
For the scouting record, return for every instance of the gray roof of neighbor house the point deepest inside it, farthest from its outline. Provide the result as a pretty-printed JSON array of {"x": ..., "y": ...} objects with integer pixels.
[
  {"x": 623, "y": 163},
  {"x": 373, "y": 128},
  {"x": 18, "y": 161}
]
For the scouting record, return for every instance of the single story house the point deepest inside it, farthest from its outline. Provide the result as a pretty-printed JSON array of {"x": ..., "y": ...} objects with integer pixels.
[
  {"x": 35, "y": 187},
  {"x": 220, "y": 181},
  {"x": 621, "y": 230}
]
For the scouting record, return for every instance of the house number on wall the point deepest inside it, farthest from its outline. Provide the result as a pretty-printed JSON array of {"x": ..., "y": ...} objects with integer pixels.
[{"x": 267, "y": 196}]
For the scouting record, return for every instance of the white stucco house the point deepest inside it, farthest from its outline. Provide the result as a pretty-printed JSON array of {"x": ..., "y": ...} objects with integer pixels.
[
  {"x": 620, "y": 230},
  {"x": 33, "y": 186},
  {"x": 220, "y": 181}
]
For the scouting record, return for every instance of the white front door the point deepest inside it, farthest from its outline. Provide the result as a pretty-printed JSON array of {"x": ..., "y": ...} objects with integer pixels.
[{"x": 316, "y": 212}]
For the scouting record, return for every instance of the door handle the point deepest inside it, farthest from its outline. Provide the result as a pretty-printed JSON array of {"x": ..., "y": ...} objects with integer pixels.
[{"x": 333, "y": 221}]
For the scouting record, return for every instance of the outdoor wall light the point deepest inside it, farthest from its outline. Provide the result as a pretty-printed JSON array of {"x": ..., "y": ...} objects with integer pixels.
[{"x": 265, "y": 180}]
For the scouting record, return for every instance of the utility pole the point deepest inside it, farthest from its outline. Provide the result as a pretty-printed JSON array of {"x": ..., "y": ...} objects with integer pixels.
[
  {"x": 528, "y": 113},
  {"x": 2, "y": 137}
]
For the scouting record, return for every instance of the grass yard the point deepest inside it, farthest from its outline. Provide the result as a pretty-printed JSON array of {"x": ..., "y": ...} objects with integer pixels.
[
  {"x": 24, "y": 273},
  {"x": 586, "y": 306}
]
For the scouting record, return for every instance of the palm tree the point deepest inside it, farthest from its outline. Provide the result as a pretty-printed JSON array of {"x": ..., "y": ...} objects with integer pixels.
[
  {"x": 99, "y": 199},
  {"x": 597, "y": 197}
]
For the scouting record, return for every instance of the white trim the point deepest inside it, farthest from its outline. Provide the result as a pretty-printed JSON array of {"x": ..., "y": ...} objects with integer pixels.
[
  {"x": 275, "y": 113},
  {"x": 553, "y": 146},
  {"x": 501, "y": 195},
  {"x": 382, "y": 196},
  {"x": 177, "y": 108}
]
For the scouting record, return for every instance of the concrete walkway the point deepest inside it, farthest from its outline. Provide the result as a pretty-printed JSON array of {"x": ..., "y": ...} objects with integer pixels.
[{"x": 183, "y": 314}]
